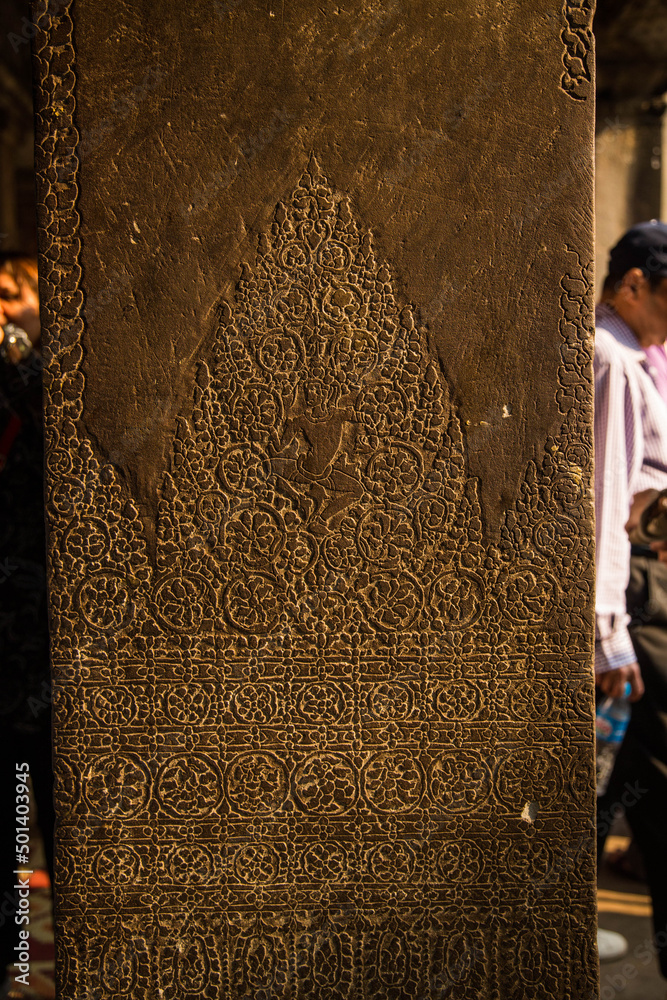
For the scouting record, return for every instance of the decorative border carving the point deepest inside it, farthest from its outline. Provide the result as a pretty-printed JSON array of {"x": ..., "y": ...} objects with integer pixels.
[{"x": 577, "y": 36}]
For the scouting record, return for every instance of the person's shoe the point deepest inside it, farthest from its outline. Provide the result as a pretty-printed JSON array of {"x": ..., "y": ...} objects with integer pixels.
[{"x": 611, "y": 946}]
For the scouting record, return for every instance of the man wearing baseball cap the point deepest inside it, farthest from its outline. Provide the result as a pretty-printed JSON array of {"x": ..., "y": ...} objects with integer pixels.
[{"x": 630, "y": 458}]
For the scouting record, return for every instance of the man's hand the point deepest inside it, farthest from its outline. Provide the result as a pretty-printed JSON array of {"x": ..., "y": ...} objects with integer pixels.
[
  {"x": 613, "y": 682},
  {"x": 661, "y": 549},
  {"x": 640, "y": 502}
]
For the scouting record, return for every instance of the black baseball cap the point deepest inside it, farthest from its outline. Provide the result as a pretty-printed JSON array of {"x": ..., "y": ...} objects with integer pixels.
[{"x": 643, "y": 246}]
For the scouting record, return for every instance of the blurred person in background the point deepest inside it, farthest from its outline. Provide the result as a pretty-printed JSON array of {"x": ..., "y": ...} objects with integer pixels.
[
  {"x": 630, "y": 370},
  {"x": 25, "y": 693}
]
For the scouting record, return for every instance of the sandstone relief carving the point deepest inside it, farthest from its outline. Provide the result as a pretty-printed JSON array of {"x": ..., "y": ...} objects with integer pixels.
[
  {"x": 324, "y": 644},
  {"x": 317, "y": 736}
]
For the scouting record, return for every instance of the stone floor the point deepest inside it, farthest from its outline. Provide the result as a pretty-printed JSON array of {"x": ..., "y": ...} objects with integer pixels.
[{"x": 624, "y": 906}]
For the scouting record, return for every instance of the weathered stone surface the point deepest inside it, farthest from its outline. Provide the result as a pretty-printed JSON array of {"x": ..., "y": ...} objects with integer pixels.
[{"x": 318, "y": 290}]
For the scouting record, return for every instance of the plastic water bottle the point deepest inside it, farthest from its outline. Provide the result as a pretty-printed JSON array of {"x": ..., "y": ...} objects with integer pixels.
[{"x": 611, "y": 721}]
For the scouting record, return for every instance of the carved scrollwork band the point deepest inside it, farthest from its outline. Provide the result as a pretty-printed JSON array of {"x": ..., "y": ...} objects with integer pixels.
[{"x": 577, "y": 37}]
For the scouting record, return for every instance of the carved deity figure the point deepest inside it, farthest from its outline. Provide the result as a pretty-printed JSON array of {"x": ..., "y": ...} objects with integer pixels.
[{"x": 311, "y": 454}]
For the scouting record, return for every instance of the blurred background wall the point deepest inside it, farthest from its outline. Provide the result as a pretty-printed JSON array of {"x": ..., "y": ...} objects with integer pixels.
[
  {"x": 631, "y": 130},
  {"x": 17, "y": 182},
  {"x": 631, "y": 185}
]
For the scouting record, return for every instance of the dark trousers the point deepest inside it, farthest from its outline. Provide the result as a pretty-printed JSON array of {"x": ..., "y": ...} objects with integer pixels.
[{"x": 639, "y": 780}]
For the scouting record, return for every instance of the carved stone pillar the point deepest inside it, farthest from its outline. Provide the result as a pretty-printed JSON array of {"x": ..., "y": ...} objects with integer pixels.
[{"x": 317, "y": 287}]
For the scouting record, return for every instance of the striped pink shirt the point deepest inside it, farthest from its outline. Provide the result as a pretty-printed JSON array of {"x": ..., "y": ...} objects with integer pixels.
[
  {"x": 657, "y": 360},
  {"x": 630, "y": 456}
]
